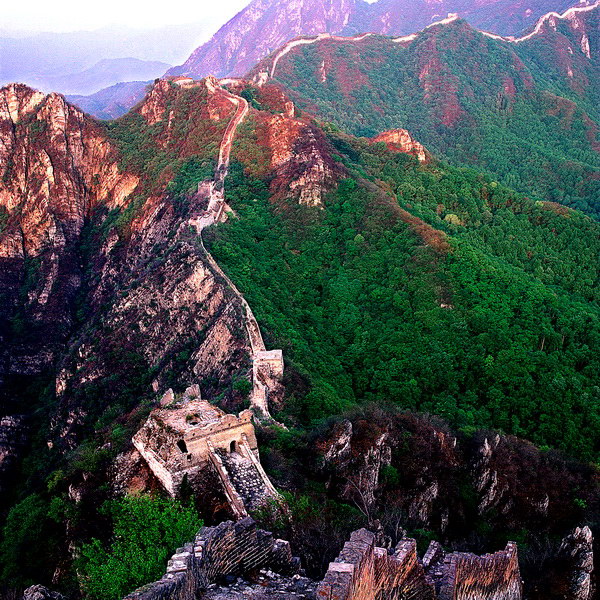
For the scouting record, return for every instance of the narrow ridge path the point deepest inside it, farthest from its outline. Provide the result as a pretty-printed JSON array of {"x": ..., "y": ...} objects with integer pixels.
[
  {"x": 311, "y": 40},
  {"x": 267, "y": 366}
]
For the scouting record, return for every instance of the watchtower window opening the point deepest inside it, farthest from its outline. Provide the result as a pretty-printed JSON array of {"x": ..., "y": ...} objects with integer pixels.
[
  {"x": 181, "y": 445},
  {"x": 233, "y": 447}
]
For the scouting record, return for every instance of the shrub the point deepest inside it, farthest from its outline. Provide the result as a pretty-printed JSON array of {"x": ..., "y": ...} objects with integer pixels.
[
  {"x": 146, "y": 531},
  {"x": 23, "y": 559}
]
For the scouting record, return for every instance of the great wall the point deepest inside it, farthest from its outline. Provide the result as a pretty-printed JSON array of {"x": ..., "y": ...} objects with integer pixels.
[
  {"x": 267, "y": 365},
  {"x": 236, "y": 561},
  {"x": 551, "y": 18},
  {"x": 184, "y": 436}
]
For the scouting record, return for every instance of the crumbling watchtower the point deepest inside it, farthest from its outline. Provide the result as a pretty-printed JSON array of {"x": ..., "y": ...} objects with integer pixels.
[{"x": 184, "y": 435}]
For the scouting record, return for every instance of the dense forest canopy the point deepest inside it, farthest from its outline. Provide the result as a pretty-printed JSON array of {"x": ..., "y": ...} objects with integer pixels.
[
  {"x": 490, "y": 333},
  {"x": 508, "y": 109}
]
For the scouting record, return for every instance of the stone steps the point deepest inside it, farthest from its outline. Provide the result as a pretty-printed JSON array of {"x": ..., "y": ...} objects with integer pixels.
[{"x": 246, "y": 479}]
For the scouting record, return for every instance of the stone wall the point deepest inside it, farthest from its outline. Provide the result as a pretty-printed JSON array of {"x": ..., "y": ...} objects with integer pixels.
[
  {"x": 180, "y": 437},
  {"x": 235, "y": 501},
  {"x": 267, "y": 372},
  {"x": 157, "y": 465},
  {"x": 363, "y": 571},
  {"x": 229, "y": 549},
  {"x": 230, "y": 428},
  {"x": 490, "y": 577}
]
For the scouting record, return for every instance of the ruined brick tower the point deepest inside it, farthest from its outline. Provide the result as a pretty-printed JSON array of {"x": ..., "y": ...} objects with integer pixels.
[{"x": 185, "y": 435}]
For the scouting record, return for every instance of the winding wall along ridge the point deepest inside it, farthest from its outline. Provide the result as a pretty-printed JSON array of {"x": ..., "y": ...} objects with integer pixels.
[
  {"x": 262, "y": 370},
  {"x": 409, "y": 38}
]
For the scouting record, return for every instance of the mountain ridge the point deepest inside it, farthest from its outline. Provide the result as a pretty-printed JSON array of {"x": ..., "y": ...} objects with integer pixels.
[
  {"x": 112, "y": 107},
  {"x": 257, "y": 30},
  {"x": 474, "y": 99}
]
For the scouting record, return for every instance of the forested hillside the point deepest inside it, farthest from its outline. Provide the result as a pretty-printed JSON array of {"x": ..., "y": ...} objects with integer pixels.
[
  {"x": 429, "y": 300},
  {"x": 488, "y": 318},
  {"x": 525, "y": 112}
]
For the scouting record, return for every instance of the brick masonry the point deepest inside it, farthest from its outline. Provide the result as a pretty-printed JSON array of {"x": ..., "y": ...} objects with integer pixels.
[
  {"x": 363, "y": 571},
  {"x": 183, "y": 437},
  {"x": 229, "y": 549}
]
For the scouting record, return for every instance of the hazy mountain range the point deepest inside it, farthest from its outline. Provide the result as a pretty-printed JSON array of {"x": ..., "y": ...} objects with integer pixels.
[
  {"x": 264, "y": 25},
  {"x": 74, "y": 62}
]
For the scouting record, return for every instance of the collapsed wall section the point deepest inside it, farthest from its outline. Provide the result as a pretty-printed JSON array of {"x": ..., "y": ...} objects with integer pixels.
[
  {"x": 490, "y": 577},
  {"x": 229, "y": 549},
  {"x": 363, "y": 571},
  {"x": 183, "y": 437}
]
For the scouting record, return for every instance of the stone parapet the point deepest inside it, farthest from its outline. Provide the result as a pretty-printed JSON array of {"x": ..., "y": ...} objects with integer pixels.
[
  {"x": 363, "y": 571},
  {"x": 489, "y": 577}
]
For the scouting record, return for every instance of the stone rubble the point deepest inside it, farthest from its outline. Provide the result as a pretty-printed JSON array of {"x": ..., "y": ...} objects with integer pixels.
[{"x": 267, "y": 585}]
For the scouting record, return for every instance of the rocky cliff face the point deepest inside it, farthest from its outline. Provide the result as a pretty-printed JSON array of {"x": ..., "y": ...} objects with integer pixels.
[
  {"x": 301, "y": 160},
  {"x": 512, "y": 481},
  {"x": 577, "y": 549},
  {"x": 361, "y": 458},
  {"x": 400, "y": 140},
  {"x": 57, "y": 167},
  {"x": 288, "y": 149}
]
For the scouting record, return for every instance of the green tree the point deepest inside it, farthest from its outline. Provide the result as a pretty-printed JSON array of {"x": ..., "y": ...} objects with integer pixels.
[
  {"x": 27, "y": 536},
  {"x": 146, "y": 531}
]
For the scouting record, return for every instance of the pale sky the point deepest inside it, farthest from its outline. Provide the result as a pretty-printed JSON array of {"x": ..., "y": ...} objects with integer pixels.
[{"x": 74, "y": 15}]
